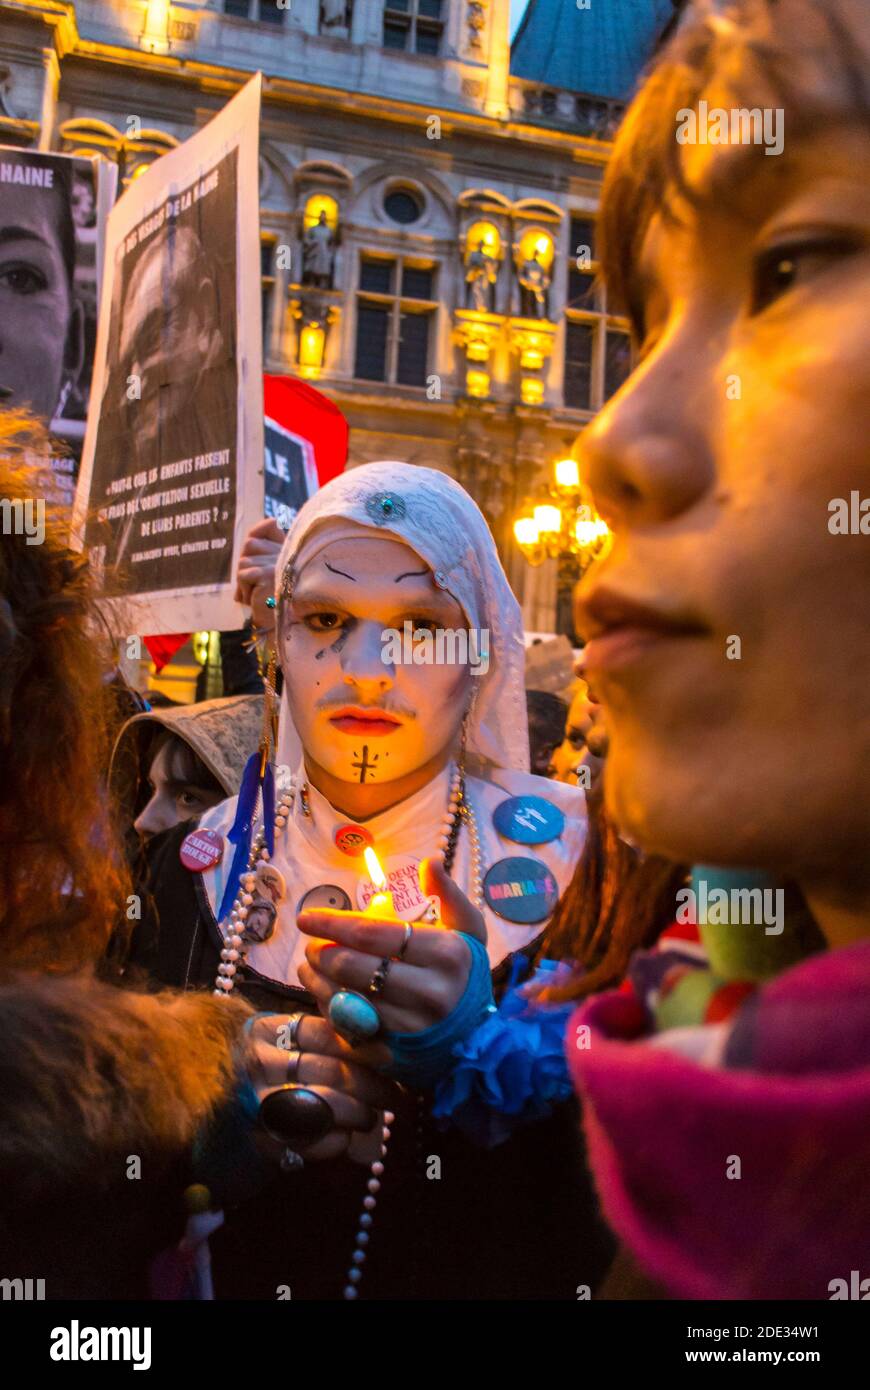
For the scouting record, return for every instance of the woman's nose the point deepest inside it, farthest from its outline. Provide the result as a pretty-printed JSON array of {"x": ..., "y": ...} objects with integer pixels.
[
  {"x": 646, "y": 456},
  {"x": 158, "y": 814}
]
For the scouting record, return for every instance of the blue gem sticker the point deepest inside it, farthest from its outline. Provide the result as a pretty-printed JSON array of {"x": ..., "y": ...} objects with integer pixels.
[
  {"x": 528, "y": 820},
  {"x": 385, "y": 507},
  {"x": 521, "y": 890}
]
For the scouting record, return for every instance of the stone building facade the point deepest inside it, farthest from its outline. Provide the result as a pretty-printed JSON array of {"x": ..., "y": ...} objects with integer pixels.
[{"x": 427, "y": 202}]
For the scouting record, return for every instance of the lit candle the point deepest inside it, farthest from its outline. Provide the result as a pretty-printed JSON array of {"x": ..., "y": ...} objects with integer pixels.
[{"x": 383, "y": 898}]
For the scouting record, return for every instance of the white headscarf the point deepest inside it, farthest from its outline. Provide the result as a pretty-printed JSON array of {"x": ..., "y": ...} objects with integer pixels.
[{"x": 433, "y": 515}]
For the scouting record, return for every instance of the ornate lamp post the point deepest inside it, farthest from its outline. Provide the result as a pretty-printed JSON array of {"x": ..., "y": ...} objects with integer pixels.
[{"x": 567, "y": 527}]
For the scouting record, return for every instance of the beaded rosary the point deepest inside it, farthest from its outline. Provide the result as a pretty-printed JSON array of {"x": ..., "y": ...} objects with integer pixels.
[{"x": 235, "y": 945}]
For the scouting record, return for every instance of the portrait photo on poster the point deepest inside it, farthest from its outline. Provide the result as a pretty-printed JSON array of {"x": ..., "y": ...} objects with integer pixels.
[
  {"x": 49, "y": 252},
  {"x": 162, "y": 487}
]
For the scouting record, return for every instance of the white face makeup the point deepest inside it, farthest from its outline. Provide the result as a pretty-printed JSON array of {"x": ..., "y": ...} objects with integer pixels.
[{"x": 362, "y": 718}]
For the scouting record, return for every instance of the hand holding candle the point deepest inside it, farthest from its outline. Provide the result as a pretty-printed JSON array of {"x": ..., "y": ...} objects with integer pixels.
[{"x": 429, "y": 979}]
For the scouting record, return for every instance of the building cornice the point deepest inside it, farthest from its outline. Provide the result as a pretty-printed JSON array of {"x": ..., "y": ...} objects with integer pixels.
[
  {"x": 60, "y": 18},
  {"x": 214, "y": 79}
]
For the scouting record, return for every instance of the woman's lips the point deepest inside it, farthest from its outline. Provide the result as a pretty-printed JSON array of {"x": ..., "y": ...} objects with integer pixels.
[
  {"x": 376, "y": 724},
  {"x": 621, "y": 631}
]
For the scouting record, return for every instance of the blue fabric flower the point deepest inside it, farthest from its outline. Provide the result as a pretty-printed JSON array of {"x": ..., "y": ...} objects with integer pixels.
[{"x": 510, "y": 1071}]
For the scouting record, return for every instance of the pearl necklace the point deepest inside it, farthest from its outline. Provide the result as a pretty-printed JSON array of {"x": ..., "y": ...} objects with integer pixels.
[{"x": 459, "y": 810}]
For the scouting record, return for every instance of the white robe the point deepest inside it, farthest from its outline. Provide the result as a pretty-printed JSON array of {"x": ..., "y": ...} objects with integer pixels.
[{"x": 307, "y": 856}]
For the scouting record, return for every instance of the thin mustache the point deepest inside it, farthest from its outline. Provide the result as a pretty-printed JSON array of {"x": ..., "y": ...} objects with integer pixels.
[{"x": 389, "y": 706}]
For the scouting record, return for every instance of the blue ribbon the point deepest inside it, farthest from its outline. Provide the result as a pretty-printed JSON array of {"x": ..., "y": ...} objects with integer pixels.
[{"x": 242, "y": 827}]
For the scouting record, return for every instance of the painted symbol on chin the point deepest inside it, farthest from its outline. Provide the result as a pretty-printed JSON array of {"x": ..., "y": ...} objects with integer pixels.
[{"x": 363, "y": 763}]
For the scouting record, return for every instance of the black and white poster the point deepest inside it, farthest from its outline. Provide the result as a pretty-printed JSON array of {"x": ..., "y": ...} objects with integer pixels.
[
  {"x": 52, "y": 214},
  {"x": 171, "y": 476}
]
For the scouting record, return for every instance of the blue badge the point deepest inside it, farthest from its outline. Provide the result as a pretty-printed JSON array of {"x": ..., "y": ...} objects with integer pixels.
[
  {"x": 528, "y": 820},
  {"x": 521, "y": 890}
]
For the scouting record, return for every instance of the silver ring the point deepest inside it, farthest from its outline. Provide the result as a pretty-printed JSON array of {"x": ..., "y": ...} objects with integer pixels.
[
  {"x": 287, "y": 1035},
  {"x": 293, "y": 1062},
  {"x": 409, "y": 932}
]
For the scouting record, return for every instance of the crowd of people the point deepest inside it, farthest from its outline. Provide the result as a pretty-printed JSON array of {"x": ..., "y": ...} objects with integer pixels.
[{"x": 589, "y": 1036}]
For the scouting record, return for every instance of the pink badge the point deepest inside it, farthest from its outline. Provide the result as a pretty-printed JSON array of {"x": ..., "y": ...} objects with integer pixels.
[{"x": 201, "y": 850}]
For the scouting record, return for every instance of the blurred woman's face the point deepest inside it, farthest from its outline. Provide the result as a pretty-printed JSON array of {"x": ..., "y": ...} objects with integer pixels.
[
  {"x": 173, "y": 799},
  {"x": 40, "y": 322},
  {"x": 729, "y": 626}
]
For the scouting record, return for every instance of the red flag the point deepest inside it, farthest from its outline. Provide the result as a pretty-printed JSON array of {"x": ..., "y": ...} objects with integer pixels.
[
  {"x": 163, "y": 649},
  {"x": 307, "y": 412}
]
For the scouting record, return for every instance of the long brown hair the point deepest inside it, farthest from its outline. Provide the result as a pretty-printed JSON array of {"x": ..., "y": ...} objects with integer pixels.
[
  {"x": 62, "y": 885},
  {"x": 618, "y": 900},
  {"x": 764, "y": 58}
]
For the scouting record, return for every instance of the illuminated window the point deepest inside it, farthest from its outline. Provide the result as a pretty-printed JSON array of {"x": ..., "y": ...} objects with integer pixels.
[
  {"x": 597, "y": 345},
  {"x": 416, "y": 26},
  {"x": 394, "y": 315}
]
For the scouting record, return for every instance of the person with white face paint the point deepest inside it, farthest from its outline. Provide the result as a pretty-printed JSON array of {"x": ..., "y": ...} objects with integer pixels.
[{"x": 381, "y": 746}]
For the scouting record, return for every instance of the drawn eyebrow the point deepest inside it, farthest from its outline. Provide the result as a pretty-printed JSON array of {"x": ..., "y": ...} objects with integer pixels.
[
  {"x": 20, "y": 234},
  {"x": 409, "y": 574},
  {"x": 341, "y": 572}
]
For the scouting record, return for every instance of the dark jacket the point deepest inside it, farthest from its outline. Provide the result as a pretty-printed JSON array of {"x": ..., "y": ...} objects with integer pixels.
[{"x": 515, "y": 1222}]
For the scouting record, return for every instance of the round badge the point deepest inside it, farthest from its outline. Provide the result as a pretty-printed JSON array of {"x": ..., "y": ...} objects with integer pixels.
[
  {"x": 260, "y": 921},
  {"x": 403, "y": 881},
  {"x": 528, "y": 820},
  {"x": 201, "y": 850},
  {"x": 352, "y": 839},
  {"x": 325, "y": 895},
  {"x": 521, "y": 890},
  {"x": 270, "y": 882}
]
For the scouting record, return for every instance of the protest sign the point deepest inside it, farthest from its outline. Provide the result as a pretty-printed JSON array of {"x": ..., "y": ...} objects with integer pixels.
[
  {"x": 172, "y": 474},
  {"x": 52, "y": 214}
]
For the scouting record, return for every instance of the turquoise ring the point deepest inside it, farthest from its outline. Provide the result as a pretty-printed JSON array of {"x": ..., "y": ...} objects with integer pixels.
[{"x": 353, "y": 1017}]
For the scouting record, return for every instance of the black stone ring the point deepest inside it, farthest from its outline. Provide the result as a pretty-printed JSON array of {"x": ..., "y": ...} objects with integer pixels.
[{"x": 294, "y": 1115}]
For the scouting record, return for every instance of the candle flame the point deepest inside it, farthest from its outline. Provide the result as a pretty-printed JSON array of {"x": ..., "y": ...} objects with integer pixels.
[{"x": 376, "y": 873}]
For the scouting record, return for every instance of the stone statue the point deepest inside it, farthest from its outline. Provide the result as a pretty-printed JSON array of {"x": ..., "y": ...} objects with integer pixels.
[
  {"x": 318, "y": 254},
  {"x": 481, "y": 274},
  {"x": 534, "y": 284},
  {"x": 334, "y": 14}
]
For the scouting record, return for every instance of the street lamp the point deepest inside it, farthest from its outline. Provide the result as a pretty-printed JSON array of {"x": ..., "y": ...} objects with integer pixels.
[{"x": 568, "y": 526}]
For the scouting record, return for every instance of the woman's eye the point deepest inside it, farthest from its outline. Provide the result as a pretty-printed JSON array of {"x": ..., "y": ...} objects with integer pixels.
[
  {"x": 422, "y": 626},
  {"x": 22, "y": 279},
  {"x": 781, "y": 268},
  {"x": 323, "y": 622},
  {"x": 188, "y": 799}
]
